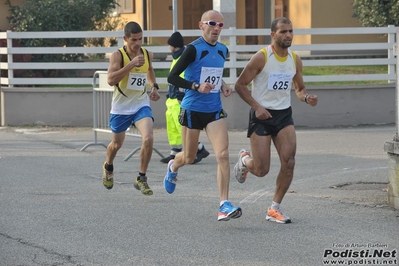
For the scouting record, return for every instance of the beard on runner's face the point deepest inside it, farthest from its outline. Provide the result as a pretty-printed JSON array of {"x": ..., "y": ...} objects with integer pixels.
[{"x": 285, "y": 43}]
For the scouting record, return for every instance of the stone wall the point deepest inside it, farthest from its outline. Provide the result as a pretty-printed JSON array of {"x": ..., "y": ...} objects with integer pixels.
[{"x": 338, "y": 106}]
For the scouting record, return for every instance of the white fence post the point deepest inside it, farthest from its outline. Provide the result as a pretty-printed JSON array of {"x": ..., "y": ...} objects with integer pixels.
[
  {"x": 391, "y": 40},
  {"x": 9, "y": 60},
  {"x": 233, "y": 54},
  {"x": 121, "y": 42}
]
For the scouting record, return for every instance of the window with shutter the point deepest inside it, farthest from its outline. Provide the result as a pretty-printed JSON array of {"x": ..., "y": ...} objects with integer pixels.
[{"x": 126, "y": 6}]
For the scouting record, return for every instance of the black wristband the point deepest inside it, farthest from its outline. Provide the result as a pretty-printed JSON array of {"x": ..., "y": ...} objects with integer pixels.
[{"x": 155, "y": 85}]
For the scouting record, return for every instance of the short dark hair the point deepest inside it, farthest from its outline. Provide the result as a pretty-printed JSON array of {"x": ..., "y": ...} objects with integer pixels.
[
  {"x": 132, "y": 28},
  {"x": 275, "y": 22}
]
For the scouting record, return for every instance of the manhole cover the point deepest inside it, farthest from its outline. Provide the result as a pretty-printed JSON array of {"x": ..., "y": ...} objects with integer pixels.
[{"x": 362, "y": 186}]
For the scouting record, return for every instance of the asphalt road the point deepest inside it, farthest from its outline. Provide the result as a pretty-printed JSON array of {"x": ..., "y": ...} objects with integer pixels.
[{"x": 55, "y": 210}]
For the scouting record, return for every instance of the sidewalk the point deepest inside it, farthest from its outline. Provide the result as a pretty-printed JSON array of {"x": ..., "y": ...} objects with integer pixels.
[{"x": 54, "y": 209}]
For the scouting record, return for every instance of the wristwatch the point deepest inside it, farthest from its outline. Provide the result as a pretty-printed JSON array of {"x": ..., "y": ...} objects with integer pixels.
[{"x": 196, "y": 86}]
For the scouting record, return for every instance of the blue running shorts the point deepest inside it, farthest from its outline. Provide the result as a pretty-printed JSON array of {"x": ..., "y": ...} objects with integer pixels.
[{"x": 120, "y": 123}]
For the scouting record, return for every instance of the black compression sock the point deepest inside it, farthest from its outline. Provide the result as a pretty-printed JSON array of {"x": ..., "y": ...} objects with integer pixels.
[
  {"x": 140, "y": 175},
  {"x": 109, "y": 167}
]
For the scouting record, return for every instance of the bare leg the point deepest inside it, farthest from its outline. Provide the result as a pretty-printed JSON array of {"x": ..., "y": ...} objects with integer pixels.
[
  {"x": 218, "y": 136},
  {"x": 113, "y": 147},
  {"x": 190, "y": 147},
  {"x": 285, "y": 143},
  {"x": 259, "y": 164},
  {"x": 145, "y": 127}
]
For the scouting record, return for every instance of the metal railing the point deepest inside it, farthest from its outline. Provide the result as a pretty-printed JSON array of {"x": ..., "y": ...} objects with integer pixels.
[
  {"x": 238, "y": 56},
  {"x": 102, "y": 98}
]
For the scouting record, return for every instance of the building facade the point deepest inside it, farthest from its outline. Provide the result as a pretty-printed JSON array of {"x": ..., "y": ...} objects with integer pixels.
[
  {"x": 247, "y": 14},
  {"x": 241, "y": 14}
]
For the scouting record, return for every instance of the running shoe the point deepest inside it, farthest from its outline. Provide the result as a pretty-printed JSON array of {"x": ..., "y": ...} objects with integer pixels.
[
  {"x": 108, "y": 178},
  {"x": 277, "y": 216},
  {"x": 240, "y": 170},
  {"x": 228, "y": 211},
  {"x": 202, "y": 153},
  {"x": 167, "y": 159},
  {"x": 197, "y": 160},
  {"x": 170, "y": 179},
  {"x": 142, "y": 185}
]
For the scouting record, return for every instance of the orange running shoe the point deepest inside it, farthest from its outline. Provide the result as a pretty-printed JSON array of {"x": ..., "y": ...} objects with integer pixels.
[{"x": 277, "y": 216}]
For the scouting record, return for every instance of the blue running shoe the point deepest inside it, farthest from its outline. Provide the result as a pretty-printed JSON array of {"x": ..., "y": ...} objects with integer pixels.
[
  {"x": 169, "y": 182},
  {"x": 228, "y": 211}
]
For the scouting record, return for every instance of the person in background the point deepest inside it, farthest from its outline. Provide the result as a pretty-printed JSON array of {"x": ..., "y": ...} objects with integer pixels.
[
  {"x": 173, "y": 100},
  {"x": 130, "y": 68},
  {"x": 272, "y": 71}
]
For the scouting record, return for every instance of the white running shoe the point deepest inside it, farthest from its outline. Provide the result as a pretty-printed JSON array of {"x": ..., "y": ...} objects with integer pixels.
[{"x": 240, "y": 170}]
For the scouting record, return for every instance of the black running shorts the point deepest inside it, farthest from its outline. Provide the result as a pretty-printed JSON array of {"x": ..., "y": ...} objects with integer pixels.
[
  {"x": 280, "y": 119},
  {"x": 198, "y": 120}
]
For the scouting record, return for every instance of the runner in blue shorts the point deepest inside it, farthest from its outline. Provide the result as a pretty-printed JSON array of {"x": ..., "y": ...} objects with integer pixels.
[{"x": 130, "y": 68}]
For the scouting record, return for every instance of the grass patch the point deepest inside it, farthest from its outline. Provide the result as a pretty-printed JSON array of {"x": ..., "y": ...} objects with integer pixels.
[
  {"x": 162, "y": 73},
  {"x": 345, "y": 70},
  {"x": 323, "y": 71}
]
